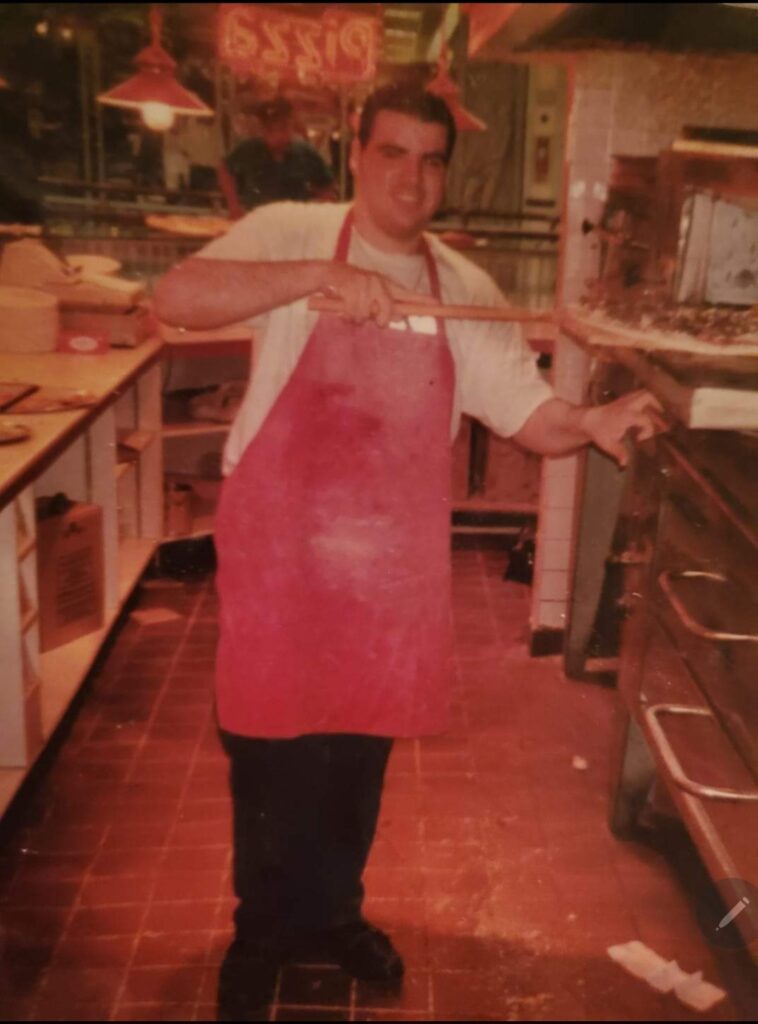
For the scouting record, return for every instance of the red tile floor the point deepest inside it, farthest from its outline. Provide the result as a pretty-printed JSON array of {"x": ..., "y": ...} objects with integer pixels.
[{"x": 493, "y": 868}]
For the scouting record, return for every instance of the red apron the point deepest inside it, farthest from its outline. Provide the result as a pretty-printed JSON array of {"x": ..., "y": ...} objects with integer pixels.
[{"x": 333, "y": 535}]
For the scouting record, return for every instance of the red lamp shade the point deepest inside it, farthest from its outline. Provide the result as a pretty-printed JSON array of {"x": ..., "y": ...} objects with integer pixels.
[
  {"x": 154, "y": 86},
  {"x": 155, "y": 83}
]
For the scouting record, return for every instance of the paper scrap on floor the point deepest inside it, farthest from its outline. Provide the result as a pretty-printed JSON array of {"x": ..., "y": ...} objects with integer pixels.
[
  {"x": 698, "y": 994},
  {"x": 666, "y": 975},
  {"x": 154, "y": 616}
]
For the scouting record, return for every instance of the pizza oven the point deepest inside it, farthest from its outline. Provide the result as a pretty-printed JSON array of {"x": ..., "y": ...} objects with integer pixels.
[{"x": 677, "y": 237}]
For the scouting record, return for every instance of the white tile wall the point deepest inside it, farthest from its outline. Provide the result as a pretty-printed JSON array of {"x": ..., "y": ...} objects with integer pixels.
[
  {"x": 551, "y": 615},
  {"x": 555, "y": 525},
  {"x": 554, "y": 585},
  {"x": 556, "y": 555},
  {"x": 563, "y": 468},
  {"x": 557, "y": 490}
]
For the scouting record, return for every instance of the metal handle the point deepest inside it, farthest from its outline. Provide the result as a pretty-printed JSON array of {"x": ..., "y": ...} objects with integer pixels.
[
  {"x": 690, "y": 623},
  {"x": 671, "y": 761}
]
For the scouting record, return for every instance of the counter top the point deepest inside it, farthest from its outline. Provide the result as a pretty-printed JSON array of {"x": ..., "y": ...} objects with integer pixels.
[{"x": 106, "y": 376}]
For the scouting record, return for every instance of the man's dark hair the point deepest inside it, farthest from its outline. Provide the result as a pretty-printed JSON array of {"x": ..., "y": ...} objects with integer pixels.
[{"x": 411, "y": 100}]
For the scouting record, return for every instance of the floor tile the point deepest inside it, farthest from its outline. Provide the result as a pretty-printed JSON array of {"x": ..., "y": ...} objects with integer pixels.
[
  {"x": 157, "y": 1012},
  {"x": 493, "y": 869},
  {"x": 159, "y": 984},
  {"x": 412, "y": 995}
]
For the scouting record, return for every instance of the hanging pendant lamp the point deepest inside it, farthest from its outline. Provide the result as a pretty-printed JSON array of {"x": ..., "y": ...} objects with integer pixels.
[
  {"x": 442, "y": 85},
  {"x": 154, "y": 90}
]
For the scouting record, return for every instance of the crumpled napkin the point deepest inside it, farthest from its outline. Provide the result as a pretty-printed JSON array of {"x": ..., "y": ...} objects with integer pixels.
[{"x": 666, "y": 975}]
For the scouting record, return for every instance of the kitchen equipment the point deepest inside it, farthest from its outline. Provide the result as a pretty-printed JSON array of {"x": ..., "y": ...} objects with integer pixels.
[
  {"x": 702, "y": 384},
  {"x": 93, "y": 263},
  {"x": 689, "y": 649},
  {"x": 98, "y": 292},
  {"x": 70, "y": 570},
  {"x": 29, "y": 320},
  {"x": 178, "y": 509},
  {"x": 678, "y": 228},
  {"x": 83, "y": 342},
  {"x": 12, "y": 433},
  {"x": 626, "y": 231},
  {"x": 122, "y": 327},
  {"x": 51, "y": 399},
  {"x": 718, "y": 252},
  {"x": 28, "y": 263},
  {"x": 20, "y": 230},
  {"x": 188, "y": 226},
  {"x": 602, "y": 329},
  {"x": 707, "y": 222},
  {"x": 12, "y": 391}
]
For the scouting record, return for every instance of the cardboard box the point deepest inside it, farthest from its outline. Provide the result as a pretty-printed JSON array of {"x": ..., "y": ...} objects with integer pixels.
[
  {"x": 69, "y": 573},
  {"x": 121, "y": 328}
]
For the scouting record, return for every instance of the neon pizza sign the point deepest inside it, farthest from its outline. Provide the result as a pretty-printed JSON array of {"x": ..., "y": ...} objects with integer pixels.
[{"x": 338, "y": 46}]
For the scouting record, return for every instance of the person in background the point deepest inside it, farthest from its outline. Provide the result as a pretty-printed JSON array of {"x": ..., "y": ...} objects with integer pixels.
[
  {"x": 275, "y": 166},
  {"x": 149, "y": 159},
  {"x": 333, "y": 527},
  {"x": 176, "y": 163}
]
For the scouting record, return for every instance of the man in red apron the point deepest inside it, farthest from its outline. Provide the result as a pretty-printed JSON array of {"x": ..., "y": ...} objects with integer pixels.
[{"x": 333, "y": 545}]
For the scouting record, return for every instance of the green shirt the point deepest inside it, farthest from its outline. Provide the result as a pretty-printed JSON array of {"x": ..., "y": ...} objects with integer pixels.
[{"x": 260, "y": 178}]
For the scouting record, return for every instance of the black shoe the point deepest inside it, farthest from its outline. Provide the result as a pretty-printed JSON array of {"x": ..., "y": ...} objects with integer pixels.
[
  {"x": 247, "y": 981},
  {"x": 364, "y": 952}
]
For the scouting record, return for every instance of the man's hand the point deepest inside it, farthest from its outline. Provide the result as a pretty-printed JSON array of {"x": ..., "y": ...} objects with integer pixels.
[
  {"x": 366, "y": 295},
  {"x": 639, "y": 415},
  {"x": 558, "y": 428}
]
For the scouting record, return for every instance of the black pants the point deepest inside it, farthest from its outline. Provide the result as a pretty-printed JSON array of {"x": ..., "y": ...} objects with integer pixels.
[{"x": 305, "y": 813}]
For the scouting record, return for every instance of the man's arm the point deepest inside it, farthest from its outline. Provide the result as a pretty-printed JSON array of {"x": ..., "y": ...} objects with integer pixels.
[
  {"x": 558, "y": 428},
  {"x": 205, "y": 293}
]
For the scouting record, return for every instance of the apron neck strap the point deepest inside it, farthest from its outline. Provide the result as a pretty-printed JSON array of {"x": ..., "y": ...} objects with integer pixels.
[{"x": 343, "y": 247}]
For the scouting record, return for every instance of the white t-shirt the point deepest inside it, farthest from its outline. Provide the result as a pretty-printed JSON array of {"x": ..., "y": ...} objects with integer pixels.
[{"x": 496, "y": 378}]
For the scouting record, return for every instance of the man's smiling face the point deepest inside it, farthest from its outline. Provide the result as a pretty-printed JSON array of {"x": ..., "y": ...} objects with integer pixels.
[{"x": 400, "y": 179}]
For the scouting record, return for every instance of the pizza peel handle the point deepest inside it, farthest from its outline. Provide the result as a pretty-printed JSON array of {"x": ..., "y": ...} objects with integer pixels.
[
  {"x": 507, "y": 314},
  {"x": 189, "y": 226}
]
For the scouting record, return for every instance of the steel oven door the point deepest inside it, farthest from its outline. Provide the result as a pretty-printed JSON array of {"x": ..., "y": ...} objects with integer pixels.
[
  {"x": 705, "y": 593},
  {"x": 688, "y": 674},
  {"x": 714, "y": 791},
  {"x": 636, "y": 534}
]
